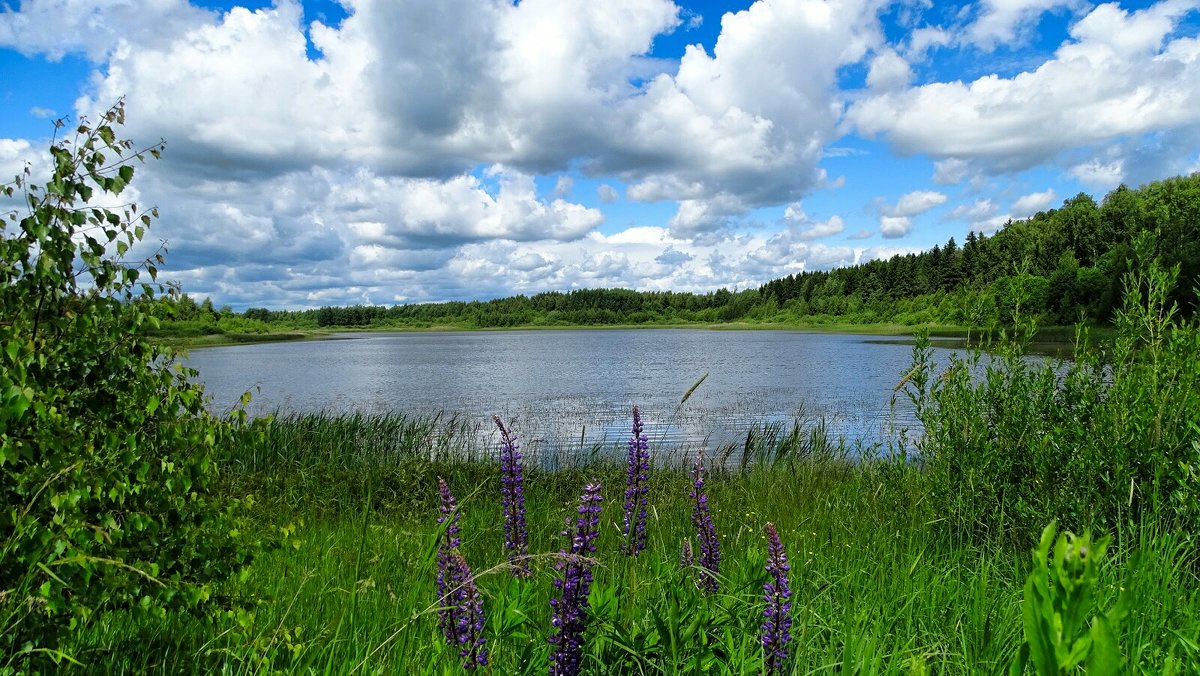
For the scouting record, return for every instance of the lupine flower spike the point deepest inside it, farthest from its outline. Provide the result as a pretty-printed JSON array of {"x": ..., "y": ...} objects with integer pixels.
[
  {"x": 450, "y": 538},
  {"x": 706, "y": 532},
  {"x": 461, "y": 615},
  {"x": 637, "y": 474},
  {"x": 777, "y": 617},
  {"x": 512, "y": 499},
  {"x": 464, "y": 622},
  {"x": 570, "y": 603},
  {"x": 446, "y": 547},
  {"x": 686, "y": 557}
]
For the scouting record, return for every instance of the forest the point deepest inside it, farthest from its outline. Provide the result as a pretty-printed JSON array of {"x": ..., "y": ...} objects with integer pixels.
[{"x": 1061, "y": 267}]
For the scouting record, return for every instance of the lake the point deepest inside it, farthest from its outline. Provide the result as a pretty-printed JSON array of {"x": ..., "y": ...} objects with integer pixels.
[{"x": 576, "y": 387}]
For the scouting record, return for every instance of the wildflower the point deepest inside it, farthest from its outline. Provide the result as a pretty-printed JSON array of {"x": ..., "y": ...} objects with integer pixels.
[
  {"x": 686, "y": 557},
  {"x": 447, "y": 546},
  {"x": 706, "y": 532},
  {"x": 461, "y": 620},
  {"x": 512, "y": 499},
  {"x": 570, "y": 603},
  {"x": 447, "y": 508},
  {"x": 637, "y": 473},
  {"x": 461, "y": 614},
  {"x": 777, "y": 618}
]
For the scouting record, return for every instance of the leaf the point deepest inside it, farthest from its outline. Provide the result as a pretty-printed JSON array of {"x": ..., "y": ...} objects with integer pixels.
[{"x": 1105, "y": 657}]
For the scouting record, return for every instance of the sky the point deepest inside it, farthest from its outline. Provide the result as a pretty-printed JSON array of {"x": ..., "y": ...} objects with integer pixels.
[{"x": 338, "y": 152}]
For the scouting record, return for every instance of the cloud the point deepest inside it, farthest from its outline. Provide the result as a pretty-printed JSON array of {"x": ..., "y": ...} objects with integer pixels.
[
  {"x": 888, "y": 72},
  {"x": 55, "y": 28},
  {"x": 563, "y": 186},
  {"x": 1028, "y": 205},
  {"x": 607, "y": 193},
  {"x": 458, "y": 210},
  {"x": 407, "y": 171},
  {"x": 979, "y": 209},
  {"x": 1120, "y": 74},
  {"x": 1010, "y": 22},
  {"x": 921, "y": 40},
  {"x": 989, "y": 225},
  {"x": 673, "y": 257},
  {"x": 15, "y": 156},
  {"x": 950, "y": 171},
  {"x": 817, "y": 229},
  {"x": 892, "y": 227},
  {"x": 804, "y": 228},
  {"x": 697, "y": 216},
  {"x": 1098, "y": 173},
  {"x": 432, "y": 90},
  {"x": 915, "y": 202}
]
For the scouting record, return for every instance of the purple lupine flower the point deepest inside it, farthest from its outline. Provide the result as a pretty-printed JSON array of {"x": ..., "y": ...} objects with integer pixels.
[
  {"x": 637, "y": 473},
  {"x": 706, "y": 532},
  {"x": 686, "y": 557},
  {"x": 447, "y": 507},
  {"x": 446, "y": 548},
  {"x": 570, "y": 603},
  {"x": 512, "y": 499},
  {"x": 777, "y": 618},
  {"x": 460, "y": 616}
]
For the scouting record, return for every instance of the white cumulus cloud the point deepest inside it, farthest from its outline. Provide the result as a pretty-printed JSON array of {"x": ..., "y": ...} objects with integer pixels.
[
  {"x": 1028, "y": 205},
  {"x": 1121, "y": 73}
]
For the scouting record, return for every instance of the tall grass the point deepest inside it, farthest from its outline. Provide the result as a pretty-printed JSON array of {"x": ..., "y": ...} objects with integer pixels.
[{"x": 880, "y": 585}]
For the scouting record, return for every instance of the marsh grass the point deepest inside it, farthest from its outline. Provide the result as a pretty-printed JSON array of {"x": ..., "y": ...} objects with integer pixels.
[{"x": 881, "y": 586}]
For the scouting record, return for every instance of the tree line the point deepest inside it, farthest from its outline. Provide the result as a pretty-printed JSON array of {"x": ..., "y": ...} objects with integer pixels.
[{"x": 1062, "y": 265}]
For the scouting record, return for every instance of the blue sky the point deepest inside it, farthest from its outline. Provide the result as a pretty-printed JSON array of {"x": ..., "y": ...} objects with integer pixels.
[{"x": 385, "y": 151}]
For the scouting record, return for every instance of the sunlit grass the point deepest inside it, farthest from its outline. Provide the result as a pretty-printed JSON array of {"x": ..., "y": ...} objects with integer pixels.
[{"x": 880, "y": 585}]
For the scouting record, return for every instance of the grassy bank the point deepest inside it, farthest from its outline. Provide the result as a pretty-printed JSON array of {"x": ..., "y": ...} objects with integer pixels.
[
  {"x": 188, "y": 336},
  {"x": 880, "y": 584},
  {"x": 186, "y": 340}
]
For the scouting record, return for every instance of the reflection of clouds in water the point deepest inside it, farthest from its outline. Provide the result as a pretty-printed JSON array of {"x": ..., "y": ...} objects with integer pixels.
[{"x": 570, "y": 392}]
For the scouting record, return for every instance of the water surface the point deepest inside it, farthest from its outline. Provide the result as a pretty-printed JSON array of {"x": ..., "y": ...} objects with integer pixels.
[{"x": 577, "y": 387}]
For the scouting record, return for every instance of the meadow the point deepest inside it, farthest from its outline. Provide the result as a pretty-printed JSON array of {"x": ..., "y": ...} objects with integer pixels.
[{"x": 879, "y": 584}]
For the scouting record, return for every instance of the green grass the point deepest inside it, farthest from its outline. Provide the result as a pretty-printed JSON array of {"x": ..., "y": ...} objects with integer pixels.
[
  {"x": 881, "y": 585},
  {"x": 220, "y": 339}
]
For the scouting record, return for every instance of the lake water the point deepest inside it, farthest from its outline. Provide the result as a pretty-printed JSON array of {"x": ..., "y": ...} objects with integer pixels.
[{"x": 577, "y": 387}]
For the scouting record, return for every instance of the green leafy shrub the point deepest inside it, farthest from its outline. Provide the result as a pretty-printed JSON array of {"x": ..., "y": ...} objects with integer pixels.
[
  {"x": 106, "y": 449},
  {"x": 1009, "y": 441}
]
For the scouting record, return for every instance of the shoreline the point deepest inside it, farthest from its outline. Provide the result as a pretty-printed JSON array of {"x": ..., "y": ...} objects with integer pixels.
[{"x": 1048, "y": 335}]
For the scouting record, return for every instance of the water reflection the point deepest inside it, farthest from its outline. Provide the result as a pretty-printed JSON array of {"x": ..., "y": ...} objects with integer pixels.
[{"x": 572, "y": 390}]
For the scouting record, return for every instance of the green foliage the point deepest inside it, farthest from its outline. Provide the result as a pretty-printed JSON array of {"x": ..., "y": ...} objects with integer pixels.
[
  {"x": 1059, "y": 597},
  {"x": 106, "y": 450},
  {"x": 1009, "y": 442},
  {"x": 1064, "y": 265}
]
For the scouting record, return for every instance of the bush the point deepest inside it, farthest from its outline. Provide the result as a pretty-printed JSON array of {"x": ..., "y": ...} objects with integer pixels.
[
  {"x": 105, "y": 447},
  {"x": 1009, "y": 442}
]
